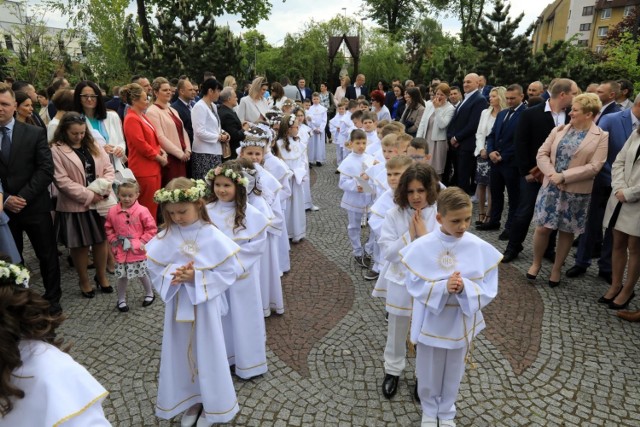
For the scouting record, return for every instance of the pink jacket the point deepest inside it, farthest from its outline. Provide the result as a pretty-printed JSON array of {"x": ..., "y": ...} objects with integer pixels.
[
  {"x": 136, "y": 225},
  {"x": 69, "y": 178}
]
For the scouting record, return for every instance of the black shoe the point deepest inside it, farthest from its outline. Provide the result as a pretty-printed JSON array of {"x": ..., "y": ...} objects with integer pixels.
[
  {"x": 318, "y": 164},
  {"x": 509, "y": 256},
  {"x": 390, "y": 385},
  {"x": 488, "y": 226},
  {"x": 122, "y": 306},
  {"x": 606, "y": 276},
  {"x": 370, "y": 275},
  {"x": 603, "y": 300},
  {"x": 55, "y": 308},
  {"x": 576, "y": 271},
  {"x": 337, "y": 172},
  {"x": 89, "y": 294},
  {"x": 148, "y": 300},
  {"x": 416, "y": 396},
  {"x": 553, "y": 284},
  {"x": 103, "y": 289},
  {"x": 614, "y": 306},
  {"x": 530, "y": 276},
  {"x": 504, "y": 236}
]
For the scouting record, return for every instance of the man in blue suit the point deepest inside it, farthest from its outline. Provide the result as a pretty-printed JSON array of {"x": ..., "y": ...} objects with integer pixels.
[
  {"x": 305, "y": 92},
  {"x": 620, "y": 125},
  {"x": 461, "y": 133},
  {"x": 501, "y": 146},
  {"x": 484, "y": 88},
  {"x": 183, "y": 105}
]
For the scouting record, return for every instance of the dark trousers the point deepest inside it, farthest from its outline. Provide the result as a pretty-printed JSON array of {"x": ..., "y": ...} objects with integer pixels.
[
  {"x": 449, "y": 176},
  {"x": 592, "y": 241},
  {"x": 39, "y": 229},
  {"x": 523, "y": 215},
  {"x": 504, "y": 174},
  {"x": 466, "y": 171}
]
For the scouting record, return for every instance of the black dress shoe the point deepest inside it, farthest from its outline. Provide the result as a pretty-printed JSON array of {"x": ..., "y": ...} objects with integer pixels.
[
  {"x": 509, "y": 256},
  {"x": 504, "y": 236},
  {"x": 89, "y": 294},
  {"x": 553, "y": 284},
  {"x": 606, "y": 276},
  {"x": 576, "y": 271},
  {"x": 614, "y": 306},
  {"x": 603, "y": 300},
  {"x": 416, "y": 396},
  {"x": 390, "y": 385},
  {"x": 488, "y": 226},
  {"x": 318, "y": 164}
]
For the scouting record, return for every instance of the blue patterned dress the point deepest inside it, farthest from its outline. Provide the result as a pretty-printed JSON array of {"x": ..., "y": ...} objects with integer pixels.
[{"x": 557, "y": 209}]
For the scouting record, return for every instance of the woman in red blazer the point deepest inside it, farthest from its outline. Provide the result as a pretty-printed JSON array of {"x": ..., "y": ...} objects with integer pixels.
[{"x": 146, "y": 157}]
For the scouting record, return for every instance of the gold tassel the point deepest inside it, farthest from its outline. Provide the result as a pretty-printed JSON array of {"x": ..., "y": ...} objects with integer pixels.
[{"x": 192, "y": 362}]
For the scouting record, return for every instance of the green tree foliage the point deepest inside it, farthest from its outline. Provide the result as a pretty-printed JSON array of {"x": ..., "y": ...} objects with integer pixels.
[
  {"x": 452, "y": 60},
  {"x": 383, "y": 59},
  {"x": 420, "y": 45},
  {"x": 469, "y": 12},
  {"x": 622, "y": 59},
  {"x": 396, "y": 17}
]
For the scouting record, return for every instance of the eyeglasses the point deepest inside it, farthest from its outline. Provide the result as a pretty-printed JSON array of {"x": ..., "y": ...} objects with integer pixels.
[{"x": 90, "y": 97}]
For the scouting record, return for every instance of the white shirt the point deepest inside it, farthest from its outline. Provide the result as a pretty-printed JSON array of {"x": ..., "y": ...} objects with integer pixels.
[{"x": 558, "y": 118}]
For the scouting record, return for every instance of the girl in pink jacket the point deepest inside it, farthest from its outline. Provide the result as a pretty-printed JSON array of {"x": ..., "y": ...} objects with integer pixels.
[{"x": 129, "y": 226}]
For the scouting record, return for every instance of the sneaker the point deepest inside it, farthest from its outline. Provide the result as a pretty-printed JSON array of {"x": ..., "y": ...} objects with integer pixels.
[
  {"x": 367, "y": 259},
  {"x": 360, "y": 261},
  {"x": 314, "y": 208},
  {"x": 370, "y": 275}
]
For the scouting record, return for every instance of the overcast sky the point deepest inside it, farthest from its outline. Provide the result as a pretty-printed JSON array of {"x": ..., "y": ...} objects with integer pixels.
[{"x": 290, "y": 16}]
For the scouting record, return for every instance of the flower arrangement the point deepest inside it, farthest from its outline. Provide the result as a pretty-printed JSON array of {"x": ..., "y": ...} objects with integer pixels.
[
  {"x": 193, "y": 194},
  {"x": 232, "y": 175},
  {"x": 17, "y": 274}
]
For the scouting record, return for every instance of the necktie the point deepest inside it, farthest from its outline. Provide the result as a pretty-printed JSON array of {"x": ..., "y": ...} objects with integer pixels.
[
  {"x": 6, "y": 144},
  {"x": 509, "y": 114}
]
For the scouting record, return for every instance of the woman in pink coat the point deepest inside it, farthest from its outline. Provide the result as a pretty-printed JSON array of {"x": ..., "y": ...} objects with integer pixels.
[{"x": 78, "y": 162}]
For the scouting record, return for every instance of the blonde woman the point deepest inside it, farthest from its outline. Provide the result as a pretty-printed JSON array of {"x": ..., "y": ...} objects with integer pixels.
[
  {"x": 341, "y": 91},
  {"x": 253, "y": 108}
]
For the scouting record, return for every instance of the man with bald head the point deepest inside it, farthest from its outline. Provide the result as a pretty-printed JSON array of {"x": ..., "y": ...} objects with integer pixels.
[
  {"x": 358, "y": 88},
  {"x": 535, "y": 89},
  {"x": 461, "y": 134}
]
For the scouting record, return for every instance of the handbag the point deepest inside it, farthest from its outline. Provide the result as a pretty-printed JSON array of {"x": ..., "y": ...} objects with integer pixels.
[
  {"x": 537, "y": 174},
  {"x": 226, "y": 148}
]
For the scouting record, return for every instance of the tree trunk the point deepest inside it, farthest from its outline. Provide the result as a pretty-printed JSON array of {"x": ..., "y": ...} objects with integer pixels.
[{"x": 144, "y": 24}]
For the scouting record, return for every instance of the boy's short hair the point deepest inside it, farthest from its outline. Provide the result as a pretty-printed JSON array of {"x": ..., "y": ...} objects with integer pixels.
[
  {"x": 357, "y": 134},
  {"x": 420, "y": 144},
  {"x": 397, "y": 162},
  {"x": 390, "y": 141},
  {"x": 343, "y": 103},
  {"x": 404, "y": 138},
  {"x": 357, "y": 115},
  {"x": 370, "y": 115},
  {"x": 352, "y": 103},
  {"x": 361, "y": 98},
  {"x": 393, "y": 127},
  {"x": 315, "y": 95},
  {"x": 306, "y": 101},
  {"x": 453, "y": 199},
  {"x": 364, "y": 102},
  {"x": 382, "y": 123}
]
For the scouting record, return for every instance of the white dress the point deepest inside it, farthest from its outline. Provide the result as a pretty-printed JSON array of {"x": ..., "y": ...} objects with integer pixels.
[
  {"x": 317, "y": 119},
  {"x": 244, "y": 330},
  {"x": 279, "y": 169},
  {"x": 193, "y": 363},
  {"x": 296, "y": 159},
  {"x": 58, "y": 390}
]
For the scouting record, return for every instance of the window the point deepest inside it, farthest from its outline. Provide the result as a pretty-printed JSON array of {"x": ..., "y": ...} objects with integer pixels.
[
  {"x": 585, "y": 27},
  {"x": 605, "y": 14},
  {"x": 582, "y": 43},
  {"x": 628, "y": 10},
  {"x": 599, "y": 48},
  {"x": 587, "y": 11},
  {"x": 8, "y": 42},
  {"x": 602, "y": 31}
]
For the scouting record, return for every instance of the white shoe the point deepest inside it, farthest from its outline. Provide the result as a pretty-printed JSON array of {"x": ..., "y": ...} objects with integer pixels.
[
  {"x": 202, "y": 422},
  {"x": 314, "y": 208},
  {"x": 191, "y": 415},
  {"x": 429, "y": 422},
  {"x": 447, "y": 423}
]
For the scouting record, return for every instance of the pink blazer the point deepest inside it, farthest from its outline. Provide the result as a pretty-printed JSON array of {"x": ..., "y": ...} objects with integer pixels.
[
  {"x": 167, "y": 131},
  {"x": 70, "y": 179},
  {"x": 585, "y": 163},
  {"x": 136, "y": 224}
]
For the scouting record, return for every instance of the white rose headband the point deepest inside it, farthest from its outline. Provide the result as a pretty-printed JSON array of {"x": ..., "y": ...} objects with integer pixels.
[{"x": 18, "y": 274}]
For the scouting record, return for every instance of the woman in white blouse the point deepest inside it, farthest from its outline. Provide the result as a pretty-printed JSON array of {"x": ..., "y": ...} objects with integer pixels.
[
  {"x": 341, "y": 91},
  {"x": 497, "y": 103},
  {"x": 207, "y": 133},
  {"x": 253, "y": 108}
]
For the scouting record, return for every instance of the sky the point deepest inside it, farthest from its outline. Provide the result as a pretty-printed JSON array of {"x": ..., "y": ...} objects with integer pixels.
[{"x": 290, "y": 16}]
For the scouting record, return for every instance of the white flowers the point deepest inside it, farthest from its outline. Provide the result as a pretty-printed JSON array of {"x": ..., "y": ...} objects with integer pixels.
[
  {"x": 193, "y": 194},
  {"x": 229, "y": 173},
  {"x": 17, "y": 274}
]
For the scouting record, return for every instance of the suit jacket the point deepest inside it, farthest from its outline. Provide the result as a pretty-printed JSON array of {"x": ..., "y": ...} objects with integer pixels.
[
  {"x": 585, "y": 163},
  {"x": 486, "y": 90},
  {"x": 389, "y": 99},
  {"x": 305, "y": 93},
  {"x": 70, "y": 178},
  {"x": 113, "y": 103},
  {"x": 534, "y": 127},
  {"x": 619, "y": 125},
  {"x": 143, "y": 145},
  {"x": 185, "y": 115},
  {"x": 351, "y": 92},
  {"x": 167, "y": 130},
  {"x": 626, "y": 178},
  {"x": 464, "y": 124},
  {"x": 230, "y": 122},
  {"x": 611, "y": 108},
  {"x": 30, "y": 169},
  {"x": 502, "y": 135}
]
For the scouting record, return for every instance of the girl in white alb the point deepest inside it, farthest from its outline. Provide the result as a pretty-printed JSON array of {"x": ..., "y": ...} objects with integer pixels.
[
  {"x": 317, "y": 120},
  {"x": 304, "y": 133},
  {"x": 334, "y": 128},
  {"x": 192, "y": 264},
  {"x": 244, "y": 329}
]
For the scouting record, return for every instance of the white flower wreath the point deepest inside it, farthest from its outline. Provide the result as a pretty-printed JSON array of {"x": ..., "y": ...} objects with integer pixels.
[
  {"x": 193, "y": 194},
  {"x": 18, "y": 274}
]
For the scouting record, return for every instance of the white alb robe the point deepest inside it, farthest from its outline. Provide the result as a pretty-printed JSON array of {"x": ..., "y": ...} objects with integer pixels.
[
  {"x": 295, "y": 157},
  {"x": 279, "y": 169},
  {"x": 317, "y": 120},
  {"x": 350, "y": 168}
]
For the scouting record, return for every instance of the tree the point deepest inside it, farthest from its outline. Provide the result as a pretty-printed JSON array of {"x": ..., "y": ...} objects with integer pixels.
[
  {"x": 470, "y": 12},
  {"x": 383, "y": 59},
  {"x": 395, "y": 16},
  {"x": 420, "y": 44}
]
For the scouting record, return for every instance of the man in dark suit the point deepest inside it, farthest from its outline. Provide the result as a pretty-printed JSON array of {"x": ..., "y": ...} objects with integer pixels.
[
  {"x": 229, "y": 120},
  {"x": 305, "y": 92},
  {"x": 484, "y": 88},
  {"x": 535, "y": 125},
  {"x": 461, "y": 132},
  {"x": 183, "y": 105},
  {"x": 114, "y": 102},
  {"x": 593, "y": 242},
  {"x": 501, "y": 147},
  {"x": 26, "y": 170},
  {"x": 390, "y": 97},
  {"x": 357, "y": 89}
]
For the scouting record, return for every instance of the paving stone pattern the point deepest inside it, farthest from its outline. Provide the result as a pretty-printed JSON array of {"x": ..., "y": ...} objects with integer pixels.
[{"x": 549, "y": 357}]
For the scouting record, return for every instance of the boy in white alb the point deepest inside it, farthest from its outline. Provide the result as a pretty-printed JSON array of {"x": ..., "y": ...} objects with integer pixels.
[
  {"x": 453, "y": 275},
  {"x": 317, "y": 121},
  {"x": 334, "y": 128},
  {"x": 346, "y": 126}
]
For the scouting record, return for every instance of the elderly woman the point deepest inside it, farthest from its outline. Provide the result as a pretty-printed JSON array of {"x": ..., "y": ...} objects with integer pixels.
[
  {"x": 172, "y": 135},
  {"x": 208, "y": 135},
  {"x": 399, "y": 104},
  {"x": 79, "y": 161},
  {"x": 253, "y": 108},
  {"x": 413, "y": 112},
  {"x": 623, "y": 216},
  {"x": 377, "y": 102},
  {"x": 341, "y": 91},
  {"x": 146, "y": 156},
  {"x": 569, "y": 160},
  {"x": 433, "y": 126}
]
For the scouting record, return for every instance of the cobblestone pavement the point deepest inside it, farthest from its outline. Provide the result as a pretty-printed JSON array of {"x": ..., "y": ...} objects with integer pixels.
[{"x": 549, "y": 357}]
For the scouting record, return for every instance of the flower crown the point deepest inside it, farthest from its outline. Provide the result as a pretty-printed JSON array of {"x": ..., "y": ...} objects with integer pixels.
[
  {"x": 229, "y": 173},
  {"x": 292, "y": 119},
  {"x": 255, "y": 137},
  {"x": 193, "y": 194},
  {"x": 17, "y": 274}
]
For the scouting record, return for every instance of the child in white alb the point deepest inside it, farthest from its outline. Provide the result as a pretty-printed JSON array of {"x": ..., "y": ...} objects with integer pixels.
[
  {"x": 317, "y": 121},
  {"x": 452, "y": 276},
  {"x": 334, "y": 128}
]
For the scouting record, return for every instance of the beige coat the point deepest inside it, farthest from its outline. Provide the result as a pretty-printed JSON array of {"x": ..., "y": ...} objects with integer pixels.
[
  {"x": 625, "y": 177},
  {"x": 585, "y": 163}
]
